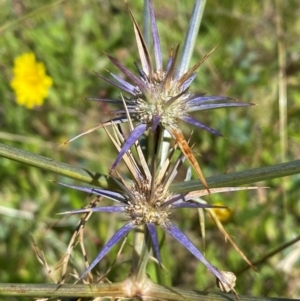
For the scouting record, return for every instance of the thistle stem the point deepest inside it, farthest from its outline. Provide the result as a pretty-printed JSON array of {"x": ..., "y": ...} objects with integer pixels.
[
  {"x": 120, "y": 291},
  {"x": 165, "y": 146},
  {"x": 138, "y": 243},
  {"x": 142, "y": 243},
  {"x": 140, "y": 272}
]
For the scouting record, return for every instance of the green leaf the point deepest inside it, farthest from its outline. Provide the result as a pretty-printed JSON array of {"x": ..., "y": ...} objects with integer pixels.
[{"x": 94, "y": 178}]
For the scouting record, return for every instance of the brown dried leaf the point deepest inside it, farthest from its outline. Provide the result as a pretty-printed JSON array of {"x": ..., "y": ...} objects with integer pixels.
[{"x": 182, "y": 143}]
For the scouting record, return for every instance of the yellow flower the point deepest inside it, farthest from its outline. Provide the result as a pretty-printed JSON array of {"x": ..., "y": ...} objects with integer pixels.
[
  {"x": 223, "y": 214},
  {"x": 30, "y": 81}
]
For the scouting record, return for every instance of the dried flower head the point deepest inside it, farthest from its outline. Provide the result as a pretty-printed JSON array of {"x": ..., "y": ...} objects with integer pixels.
[{"x": 30, "y": 82}]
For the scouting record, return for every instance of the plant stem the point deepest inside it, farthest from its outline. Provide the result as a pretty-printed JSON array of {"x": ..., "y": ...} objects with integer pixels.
[
  {"x": 121, "y": 290},
  {"x": 65, "y": 290},
  {"x": 77, "y": 173},
  {"x": 268, "y": 255},
  {"x": 282, "y": 100},
  {"x": 140, "y": 273},
  {"x": 141, "y": 251},
  {"x": 138, "y": 243}
]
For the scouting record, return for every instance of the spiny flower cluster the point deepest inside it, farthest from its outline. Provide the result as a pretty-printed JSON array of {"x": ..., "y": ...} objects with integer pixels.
[
  {"x": 156, "y": 99},
  {"x": 144, "y": 208},
  {"x": 147, "y": 201},
  {"x": 30, "y": 82},
  {"x": 161, "y": 97}
]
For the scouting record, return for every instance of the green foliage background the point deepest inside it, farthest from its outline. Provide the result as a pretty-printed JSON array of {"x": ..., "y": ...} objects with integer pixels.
[{"x": 71, "y": 38}]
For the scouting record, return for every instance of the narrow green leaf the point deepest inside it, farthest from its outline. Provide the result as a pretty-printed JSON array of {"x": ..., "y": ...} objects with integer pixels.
[
  {"x": 76, "y": 173},
  {"x": 80, "y": 174},
  {"x": 242, "y": 177}
]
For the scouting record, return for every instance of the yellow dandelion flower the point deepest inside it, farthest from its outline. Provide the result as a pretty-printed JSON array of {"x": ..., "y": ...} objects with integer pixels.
[
  {"x": 30, "y": 82},
  {"x": 223, "y": 214}
]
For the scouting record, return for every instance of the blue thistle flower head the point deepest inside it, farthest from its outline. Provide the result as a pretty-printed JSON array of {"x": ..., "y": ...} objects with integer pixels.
[
  {"x": 146, "y": 200},
  {"x": 158, "y": 96}
]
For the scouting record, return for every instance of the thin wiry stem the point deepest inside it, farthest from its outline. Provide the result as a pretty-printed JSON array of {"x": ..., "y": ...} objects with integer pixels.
[
  {"x": 282, "y": 89},
  {"x": 270, "y": 254},
  {"x": 77, "y": 236},
  {"x": 191, "y": 37},
  {"x": 282, "y": 99}
]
